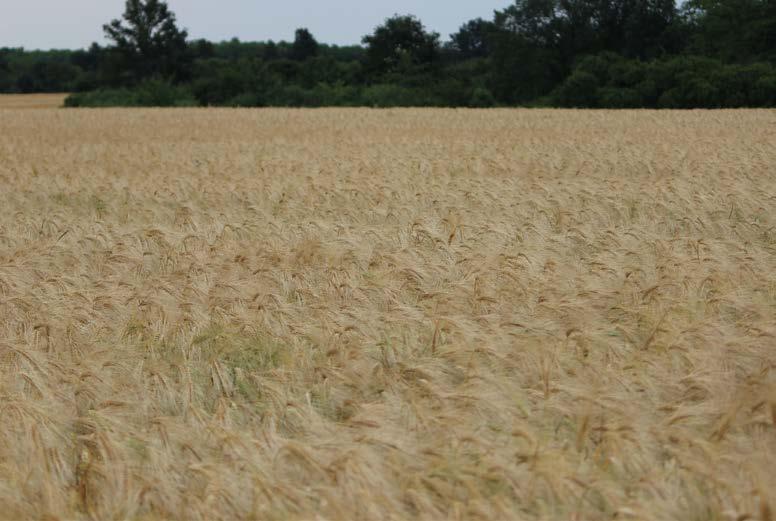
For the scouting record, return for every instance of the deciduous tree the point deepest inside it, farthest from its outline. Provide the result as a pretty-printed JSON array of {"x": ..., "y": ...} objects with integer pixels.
[
  {"x": 401, "y": 42},
  {"x": 148, "y": 40},
  {"x": 305, "y": 46}
]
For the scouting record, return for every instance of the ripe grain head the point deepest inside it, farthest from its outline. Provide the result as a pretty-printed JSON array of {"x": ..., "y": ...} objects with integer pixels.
[{"x": 221, "y": 314}]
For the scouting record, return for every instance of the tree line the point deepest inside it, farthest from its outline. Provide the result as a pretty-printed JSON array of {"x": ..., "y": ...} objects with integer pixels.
[{"x": 568, "y": 53}]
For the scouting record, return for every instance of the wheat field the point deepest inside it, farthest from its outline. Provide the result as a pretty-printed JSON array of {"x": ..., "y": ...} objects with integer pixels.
[
  {"x": 402, "y": 314},
  {"x": 31, "y": 101}
]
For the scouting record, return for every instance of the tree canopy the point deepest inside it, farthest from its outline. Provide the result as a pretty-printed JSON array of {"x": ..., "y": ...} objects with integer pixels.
[
  {"x": 473, "y": 39},
  {"x": 583, "y": 53},
  {"x": 148, "y": 42},
  {"x": 400, "y": 43},
  {"x": 305, "y": 46}
]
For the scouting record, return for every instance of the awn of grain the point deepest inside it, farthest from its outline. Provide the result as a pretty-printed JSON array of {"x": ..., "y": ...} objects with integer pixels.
[{"x": 362, "y": 314}]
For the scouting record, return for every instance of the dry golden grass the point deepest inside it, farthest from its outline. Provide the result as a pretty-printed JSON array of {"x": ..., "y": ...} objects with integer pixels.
[
  {"x": 31, "y": 101},
  {"x": 405, "y": 314}
]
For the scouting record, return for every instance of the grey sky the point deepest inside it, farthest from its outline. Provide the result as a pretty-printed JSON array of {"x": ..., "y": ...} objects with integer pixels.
[{"x": 45, "y": 24}]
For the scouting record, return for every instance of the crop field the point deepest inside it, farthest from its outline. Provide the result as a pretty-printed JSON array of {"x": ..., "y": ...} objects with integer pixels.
[
  {"x": 401, "y": 314},
  {"x": 31, "y": 101}
]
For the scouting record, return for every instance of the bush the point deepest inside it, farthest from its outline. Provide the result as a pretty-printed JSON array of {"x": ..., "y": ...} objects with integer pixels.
[
  {"x": 388, "y": 95},
  {"x": 764, "y": 91},
  {"x": 157, "y": 93},
  {"x": 580, "y": 90},
  {"x": 742, "y": 85},
  {"x": 605, "y": 80},
  {"x": 295, "y": 96},
  {"x": 681, "y": 82},
  {"x": 246, "y": 99},
  {"x": 219, "y": 88},
  {"x": 600, "y": 65},
  {"x": 151, "y": 93},
  {"x": 482, "y": 98},
  {"x": 102, "y": 98},
  {"x": 619, "y": 98},
  {"x": 337, "y": 95}
]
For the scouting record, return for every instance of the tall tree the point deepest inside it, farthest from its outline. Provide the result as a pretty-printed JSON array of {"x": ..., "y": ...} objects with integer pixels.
[
  {"x": 4, "y": 67},
  {"x": 402, "y": 42},
  {"x": 634, "y": 28},
  {"x": 270, "y": 51},
  {"x": 537, "y": 22},
  {"x": 148, "y": 41},
  {"x": 649, "y": 28},
  {"x": 536, "y": 43},
  {"x": 6, "y": 79},
  {"x": 525, "y": 50},
  {"x": 304, "y": 46},
  {"x": 88, "y": 60},
  {"x": 734, "y": 30},
  {"x": 471, "y": 40}
]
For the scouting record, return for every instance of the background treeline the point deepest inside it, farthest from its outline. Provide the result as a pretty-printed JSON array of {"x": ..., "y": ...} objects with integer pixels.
[{"x": 570, "y": 53}]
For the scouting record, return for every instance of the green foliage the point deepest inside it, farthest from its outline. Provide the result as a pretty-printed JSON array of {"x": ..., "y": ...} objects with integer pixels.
[
  {"x": 150, "y": 93},
  {"x": 38, "y": 71},
  {"x": 400, "y": 44},
  {"x": 520, "y": 71},
  {"x": 148, "y": 42},
  {"x": 305, "y": 46},
  {"x": 611, "y": 81},
  {"x": 159, "y": 93},
  {"x": 102, "y": 98},
  {"x": 246, "y": 99},
  {"x": 48, "y": 77},
  {"x": 735, "y": 31},
  {"x": 574, "y": 53},
  {"x": 473, "y": 39},
  {"x": 390, "y": 95},
  {"x": 217, "y": 82},
  {"x": 619, "y": 98},
  {"x": 482, "y": 98},
  {"x": 580, "y": 90}
]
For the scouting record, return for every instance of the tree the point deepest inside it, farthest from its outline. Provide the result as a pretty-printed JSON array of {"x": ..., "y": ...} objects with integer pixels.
[
  {"x": 7, "y": 80},
  {"x": 270, "y": 51},
  {"x": 580, "y": 90},
  {"x": 537, "y": 22},
  {"x": 305, "y": 46},
  {"x": 471, "y": 40},
  {"x": 520, "y": 71},
  {"x": 525, "y": 50},
  {"x": 402, "y": 42},
  {"x": 148, "y": 41},
  {"x": 634, "y": 28},
  {"x": 535, "y": 44},
  {"x": 88, "y": 60},
  {"x": 202, "y": 49},
  {"x": 734, "y": 30}
]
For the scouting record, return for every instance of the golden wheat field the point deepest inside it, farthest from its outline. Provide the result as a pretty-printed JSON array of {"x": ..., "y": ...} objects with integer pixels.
[
  {"x": 403, "y": 314},
  {"x": 31, "y": 101}
]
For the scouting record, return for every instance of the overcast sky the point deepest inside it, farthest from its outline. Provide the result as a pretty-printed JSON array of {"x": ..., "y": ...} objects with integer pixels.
[{"x": 46, "y": 24}]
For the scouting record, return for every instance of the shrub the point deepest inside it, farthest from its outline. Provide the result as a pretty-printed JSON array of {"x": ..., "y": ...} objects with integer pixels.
[
  {"x": 102, "y": 98},
  {"x": 580, "y": 90},
  {"x": 246, "y": 99},
  {"x": 619, "y": 98},
  {"x": 482, "y": 98},
  {"x": 151, "y": 93},
  {"x": 387, "y": 95},
  {"x": 158, "y": 93}
]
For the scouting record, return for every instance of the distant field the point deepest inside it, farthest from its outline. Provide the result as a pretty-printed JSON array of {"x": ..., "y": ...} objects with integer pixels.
[
  {"x": 399, "y": 314},
  {"x": 31, "y": 101}
]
